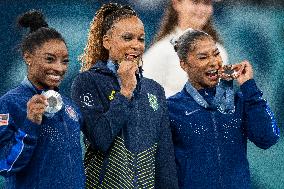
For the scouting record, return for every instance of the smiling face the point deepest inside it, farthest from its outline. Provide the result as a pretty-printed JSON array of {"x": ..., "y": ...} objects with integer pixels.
[
  {"x": 203, "y": 63},
  {"x": 126, "y": 39},
  {"x": 47, "y": 64},
  {"x": 193, "y": 13}
]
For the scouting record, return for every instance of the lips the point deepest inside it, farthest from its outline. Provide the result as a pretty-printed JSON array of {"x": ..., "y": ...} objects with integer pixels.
[
  {"x": 212, "y": 74},
  {"x": 132, "y": 56}
]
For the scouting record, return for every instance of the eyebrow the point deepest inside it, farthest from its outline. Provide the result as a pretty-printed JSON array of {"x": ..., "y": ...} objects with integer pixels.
[
  {"x": 126, "y": 33},
  {"x": 202, "y": 54},
  {"x": 50, "y": 54},
  {"x": 132, "y": 34},
  {"x": 216, "y": 50},
  {"x": 205, "y": 53}
]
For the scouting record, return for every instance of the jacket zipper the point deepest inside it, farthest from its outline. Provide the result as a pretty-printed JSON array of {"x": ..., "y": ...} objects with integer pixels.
[
  {"x": 216, "y": 136},
  {"x": 68, "y": 138}
]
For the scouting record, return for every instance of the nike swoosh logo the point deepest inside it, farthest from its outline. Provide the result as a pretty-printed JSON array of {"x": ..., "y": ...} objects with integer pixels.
[{"x": 188, "y": 113}]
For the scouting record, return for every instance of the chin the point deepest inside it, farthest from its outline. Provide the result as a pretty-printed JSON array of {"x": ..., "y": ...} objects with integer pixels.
[
  {"x": 52, "y": 85},
  {"x": 210, "y": 85}
]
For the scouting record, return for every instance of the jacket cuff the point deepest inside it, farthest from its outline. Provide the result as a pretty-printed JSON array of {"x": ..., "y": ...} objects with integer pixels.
[{"x": 249, "y": 89}]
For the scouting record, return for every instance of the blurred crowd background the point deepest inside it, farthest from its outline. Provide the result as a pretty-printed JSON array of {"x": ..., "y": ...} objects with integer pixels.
[{"x": 250, "y": 29}]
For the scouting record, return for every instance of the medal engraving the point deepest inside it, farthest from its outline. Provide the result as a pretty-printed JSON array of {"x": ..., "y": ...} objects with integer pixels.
[
  {"x": 55, "y": 102},
  {"x": 228, "y": 72}
]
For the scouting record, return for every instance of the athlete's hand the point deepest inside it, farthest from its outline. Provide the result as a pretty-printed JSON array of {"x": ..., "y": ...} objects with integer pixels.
[
  {"x": 36, "y": 107},
  {"x": 244, "y": 72},
  {"x": 126, "y": 72}
]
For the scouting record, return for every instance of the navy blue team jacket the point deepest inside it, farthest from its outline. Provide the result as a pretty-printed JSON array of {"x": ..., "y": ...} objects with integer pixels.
[
  {"x": 210, "y": 146},
  {"x": 39, "y": 156},
  {"x": 130, "y": 140}
]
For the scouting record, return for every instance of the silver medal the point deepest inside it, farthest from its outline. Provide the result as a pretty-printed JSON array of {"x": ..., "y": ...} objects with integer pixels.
[{"x": 55, "y": 102}]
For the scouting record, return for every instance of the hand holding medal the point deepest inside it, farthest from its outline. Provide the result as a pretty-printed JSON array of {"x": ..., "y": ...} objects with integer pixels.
[
  {"x": 36, "y": 108},
  {"x": 48, "y": 103},
  {"x": 241, "y": 72},
  {"x": 126, "y": 72}
]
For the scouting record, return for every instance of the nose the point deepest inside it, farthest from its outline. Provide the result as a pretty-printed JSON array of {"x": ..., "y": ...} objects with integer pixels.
[
  {"x": 215, "y": 62},
  {"x": 138, "y": 45},
  {"x": 59, "y": 67}
]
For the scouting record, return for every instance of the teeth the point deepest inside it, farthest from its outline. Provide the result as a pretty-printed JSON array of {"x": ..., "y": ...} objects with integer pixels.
[
  {"x": 212, "y": 71},
  {"x": 134, "y": 55},
  {"x": 54, "y": 77}
]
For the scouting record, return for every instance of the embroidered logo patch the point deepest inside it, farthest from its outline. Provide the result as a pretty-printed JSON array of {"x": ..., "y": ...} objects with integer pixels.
[
  {"x": 191, "y": 112},
  {"x": 4, "y": 119},
  {"x": 87, "y": 100},
  {"x": 71, "y": 113},
  {"x": 153, "y": 101},
  {"x": 111, "y": 96}
]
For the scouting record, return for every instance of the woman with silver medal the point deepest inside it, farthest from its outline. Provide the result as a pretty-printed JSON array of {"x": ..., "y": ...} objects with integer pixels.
[
  {"x": 210, "y": 123},
  {"x": 40, "y": 133}
]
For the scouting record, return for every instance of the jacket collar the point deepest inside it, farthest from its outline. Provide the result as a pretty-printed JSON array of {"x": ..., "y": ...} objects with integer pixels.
[
  {"x": 223, "y": 96},
  {"x": 102, "y": 67},
  {"x": 111, "y": 65},
  {"x": 27, "y": 83}
]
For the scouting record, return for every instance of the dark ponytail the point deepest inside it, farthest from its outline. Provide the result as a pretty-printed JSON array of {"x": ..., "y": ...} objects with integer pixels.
[
  {"x": 39, "y": 32},
  {"x": 185, "y": 43}
]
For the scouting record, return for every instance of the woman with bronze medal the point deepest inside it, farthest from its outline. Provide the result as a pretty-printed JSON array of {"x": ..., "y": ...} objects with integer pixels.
[{"x": 211, "y": 124}]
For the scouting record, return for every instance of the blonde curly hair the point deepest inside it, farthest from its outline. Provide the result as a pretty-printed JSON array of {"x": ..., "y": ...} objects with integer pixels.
[{"x": 103, "y": 21}]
